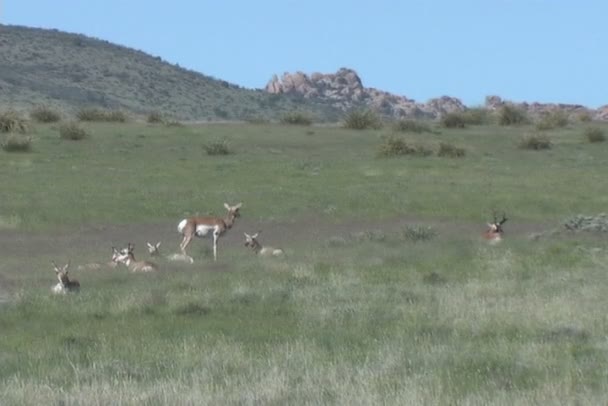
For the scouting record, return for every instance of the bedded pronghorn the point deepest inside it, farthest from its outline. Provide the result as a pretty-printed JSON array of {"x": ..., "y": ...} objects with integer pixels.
[
  {"x": 127, "y": 257},
  {"x": 494, "y": 232},
  {"x": 65, "y": 285},
  {"x": 154, "y": 251},
  {"x": 252, "y": 242},
  {"x": 204, "y": 226},
  {"x": 95, "y": 266}
]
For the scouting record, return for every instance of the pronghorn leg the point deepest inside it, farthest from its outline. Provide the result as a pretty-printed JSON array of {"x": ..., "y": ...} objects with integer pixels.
[
  {"x": 188, "y": 234},
  {"x": 215, "y": 238}
]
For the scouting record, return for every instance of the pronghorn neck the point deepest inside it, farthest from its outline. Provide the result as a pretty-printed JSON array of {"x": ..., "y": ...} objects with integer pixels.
[
  {"x": 256, "y": 246},
  {"x": 229, "y": 220},
  {"x": 130, "y": 259}
]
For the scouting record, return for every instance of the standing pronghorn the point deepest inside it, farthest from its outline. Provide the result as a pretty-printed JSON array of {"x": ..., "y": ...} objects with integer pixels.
[
  {"x": 154, "y": 251},
  {"x": 201, "y": 226},
  {"x": 128, "y": 258},
  {"x": 252, "y": 242},
  {"x": 65, "y": 285},
  {"x": 494, "y": 232}
]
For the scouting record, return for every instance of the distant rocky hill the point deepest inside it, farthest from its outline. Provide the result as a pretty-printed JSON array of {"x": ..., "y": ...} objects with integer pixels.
[
  {"x": 344, "y": 90},
  {"x": 71, "y": 71}
]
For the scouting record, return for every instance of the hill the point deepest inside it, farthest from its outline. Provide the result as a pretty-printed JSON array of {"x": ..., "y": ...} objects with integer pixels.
[{"x": 71, "y": 71}]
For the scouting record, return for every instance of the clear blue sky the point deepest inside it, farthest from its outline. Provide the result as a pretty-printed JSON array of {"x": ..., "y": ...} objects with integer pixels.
[{"x": 522, "y": 50}]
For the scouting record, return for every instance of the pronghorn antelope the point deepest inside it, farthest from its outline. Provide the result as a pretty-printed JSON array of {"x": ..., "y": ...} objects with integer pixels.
[
  {"x": 65, "y": 285},
  {"x": 95, "y": 266},
  {"x": 494, "y": 232},
  {"x": 154, "y": 251},
  {"x": 128, "y": 258},
  {"x": 252, "y": 242},
  {"x": 202, "y": 226}
]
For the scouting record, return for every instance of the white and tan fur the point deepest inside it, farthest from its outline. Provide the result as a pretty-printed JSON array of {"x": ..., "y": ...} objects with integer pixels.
[
  {"x": 154, "y": 251},
  {"x": 204, "y": 226},
  {"x": 65, "y": 285},
  {"x": 127, "y": 257},
  {"x": 252, "y": 242},
  {"x": 96, "y": 266},
  {"x": 495, "y": 232}
]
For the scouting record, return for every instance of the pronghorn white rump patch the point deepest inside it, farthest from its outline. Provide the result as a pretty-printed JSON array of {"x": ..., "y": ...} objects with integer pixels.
[{"x": 181, "y": 226}]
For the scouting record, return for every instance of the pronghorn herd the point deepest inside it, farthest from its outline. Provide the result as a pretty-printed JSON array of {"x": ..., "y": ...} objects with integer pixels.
[{"x": 201, "y": 226}]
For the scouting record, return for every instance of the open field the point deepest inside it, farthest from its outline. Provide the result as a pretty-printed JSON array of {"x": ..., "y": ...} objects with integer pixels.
[{"x": 362, "y": 309}]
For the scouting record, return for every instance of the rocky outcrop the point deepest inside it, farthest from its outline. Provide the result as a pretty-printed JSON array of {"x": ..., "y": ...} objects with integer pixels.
[
  {"x": 344, "y": 90},
  {"x": 538, "y": 109}
]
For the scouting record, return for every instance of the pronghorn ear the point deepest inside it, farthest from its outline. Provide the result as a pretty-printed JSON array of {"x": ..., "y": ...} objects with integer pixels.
[
  {"x": 253, "y": 237},
  {"x": 247, "y": 235},
  {"x": 238, "y": 206},
  {"x": 158, "y": 245},
  {"x": 227, "y": 206},
  {"x": 149, "y": 245},
  {"x": 55, "y": 266}
]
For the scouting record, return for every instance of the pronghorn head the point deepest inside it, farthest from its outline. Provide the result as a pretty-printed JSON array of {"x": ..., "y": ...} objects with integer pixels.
[
  {"x": 251, "y": 240},
  {"x": 154, "y": 249},
  {"x": 125, "y": 254},
  {"x": 62, "y": 273},
  {"x": 495, "y": 231},
  {"x": 116, "y": 254},
  {"x": 233, "y": 213}
]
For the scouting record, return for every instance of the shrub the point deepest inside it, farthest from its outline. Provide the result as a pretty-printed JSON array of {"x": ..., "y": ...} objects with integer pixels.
[
  {"x": 535, "y": 142},
  {"x": 397, "y": 146},
  {"x": 417, "y": 233},
  {"x": 552, "y": 119},
  {"x": 155, "y": 117},
  {"x": 296, "y": 118},
  {"x": 218, "y": 147},
  {"x": 15, "y": 142},
  {"x": 44, "y": 114},
  {"x": 476, "y": 116},
  {"x": 411, "y": 126},
  {"x": 594, "y": 134},
  {"x": 453, "y": 120},
  {"x": 511, "y": 115},
  {"x": 95, "y": 114},
  {"x": 450, "y": 151},
  {"x": 585, "y": 117},
  {"x": 362, "y": 120},
  {"x": 72, "y": 131},
  {"x": 11, "y": 121}
]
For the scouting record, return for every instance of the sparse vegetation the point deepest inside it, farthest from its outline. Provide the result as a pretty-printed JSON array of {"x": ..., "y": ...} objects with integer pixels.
[
  {"x": 218, "y": 147},
  {"x": 155, "y": 117},
  {"x": 296, "y": 118},
  {"x": 392, "y": 146},
  {"x": 412, "y": 126},
  {"x": 418, "y": 233},
  {"x": 594, "y": 134},
  {"x": 535, "y": 141},
  {"x": 72, "y": 131},
  {"x": 13, "y": 122},
  {"x": 45, "y": 114},
  {"x": 450, "y": 151},
  {"x": 362, "y": 120},
  {"x": 580, "y": 222},
  {"x": 16, "y": 142},
  {"x": 95, "y": 114},
  {"x": 552, "y": 119},
  {"x": 509, "y": 114},
  {"x": 453, "y": 120}
]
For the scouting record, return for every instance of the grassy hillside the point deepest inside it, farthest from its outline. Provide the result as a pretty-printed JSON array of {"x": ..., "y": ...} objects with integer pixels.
[
  {"x": 70, "y": 71},
  {"x": 387, "y": 294}
]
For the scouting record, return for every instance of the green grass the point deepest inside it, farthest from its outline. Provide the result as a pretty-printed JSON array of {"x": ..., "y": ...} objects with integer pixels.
[{"x": 364, "y": 316}]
